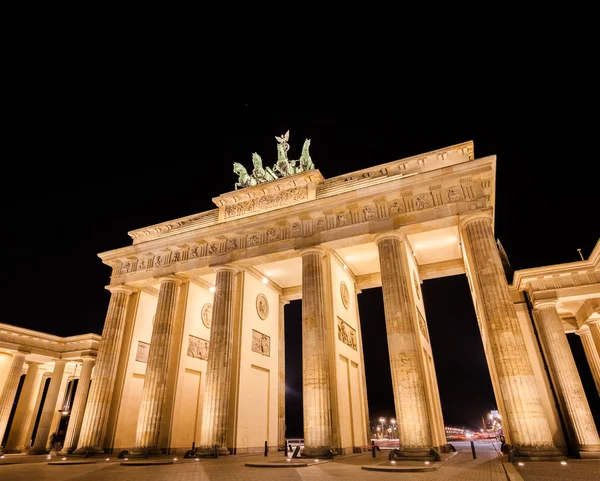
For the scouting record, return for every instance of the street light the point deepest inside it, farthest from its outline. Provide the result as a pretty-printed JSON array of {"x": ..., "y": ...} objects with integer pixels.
[
  {"x": 393, "y": 421},
  {"x": 382, "y": 420}
]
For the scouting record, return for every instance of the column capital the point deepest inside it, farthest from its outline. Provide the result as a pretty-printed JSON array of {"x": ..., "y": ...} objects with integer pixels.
[
  {"x": 592, "y": 321},
  {"x": 58, "y": 361},
  {"x": 541, "y": 303},
  {"x": 228, "y": 268},
  {"x": 174, "y": 279},
  {"x": 121, "y": 288},
  {"x": 88, "y": 359},
  {"x": 283, "y": 302},
  {"x": 34, "y": 363},
  {"x": 389, "y": 235},
  {"x": 313, "y": 250},
  {"x": 583, "y": 331},
  {"x": 480, "y": 214}
]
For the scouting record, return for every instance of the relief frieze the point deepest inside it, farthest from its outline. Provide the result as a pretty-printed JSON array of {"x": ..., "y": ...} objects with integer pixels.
[{"x": 267, "y": 202}]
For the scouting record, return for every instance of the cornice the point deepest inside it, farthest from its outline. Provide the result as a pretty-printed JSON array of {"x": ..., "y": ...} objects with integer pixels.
[{"x": 522, "y": 277}]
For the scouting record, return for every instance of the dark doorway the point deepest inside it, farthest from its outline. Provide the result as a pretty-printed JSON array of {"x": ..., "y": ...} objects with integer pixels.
[
  {"x": 39, "y": 413},
  {"x": 466, "y": 392},
  {"x": 294, "y": 415}
]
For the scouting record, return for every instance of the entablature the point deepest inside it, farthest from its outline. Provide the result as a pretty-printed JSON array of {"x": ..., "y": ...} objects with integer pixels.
[{"x": 399, "y": 201}]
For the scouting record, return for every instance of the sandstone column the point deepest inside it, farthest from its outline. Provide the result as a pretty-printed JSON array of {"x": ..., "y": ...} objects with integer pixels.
[
  {"x": 281, "y": 367},
  {"x": 16, "y": 438},
  {"x": 93, "y": 427},
  {"x": 218, "y": 370},
  {"x": 408, "y": 381},
  {"x": 155, "y": 380},
  {"x": 7, "y": 398},
  {"x": 78, "y": 409},
  {"x": 594, "y": 327},
  {"x": 591, "y": 353},
  {"x": 567, "y": 383},
  {"x": 315, "y": 361},
  {"x": 40, "y": 445},
  {"x": 529, "y": 428}
]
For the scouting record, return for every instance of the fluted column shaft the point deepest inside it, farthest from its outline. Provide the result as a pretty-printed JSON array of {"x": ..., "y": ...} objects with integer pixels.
[
  {"x": 315, "y": 361},
  {"x": 408, "y": 382},
  {"x": 218, "y": 369},
  {"x": 529, "y": 428},
  {"x": 567, "y": 383},
  {"x": 93, "y": 426},
  {"x": 592, "y": 355},
  {"x": 76, "y": 418},
  {"x": 594, "y": 326},
  {"x": 281, "y": 369},
  {"x": 9, "y": 391},
  {"x": 155, "y": 380},
  {"x": 40, "y": 445},
  {"x": 24, "y": 411}
]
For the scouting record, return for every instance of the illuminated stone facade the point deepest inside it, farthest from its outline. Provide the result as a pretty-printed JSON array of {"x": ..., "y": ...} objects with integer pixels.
[{"x": 193, "y": 345}]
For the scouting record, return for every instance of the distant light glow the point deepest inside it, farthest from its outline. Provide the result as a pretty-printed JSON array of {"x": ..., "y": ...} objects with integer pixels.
[
  {"x": 564, "y": 463},
  {"x": 345, "y": 267},
  {"x": 265, "y": 280},
  {"x": 126, "y": 459},
  {"x": 174, "y": 459},
  {"x": 64, "y": 459},
  {"x": 212, "y": 288},
  {"x": 108, "y": 459},
  {"x": 521, "y": 464},
  {"x": 393, "y": 462},
  {"x": 316, "y": 460},
  {"x": 426, "y": 462},
  {"x": 197, "y": 459}
]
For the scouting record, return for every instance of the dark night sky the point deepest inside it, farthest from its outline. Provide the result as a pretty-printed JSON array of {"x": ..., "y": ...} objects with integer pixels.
[{"x": 92, "y": 150}]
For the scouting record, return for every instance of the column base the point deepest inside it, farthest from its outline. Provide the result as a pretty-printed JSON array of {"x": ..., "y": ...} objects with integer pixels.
[
  {"x": 209, "y": 451},
  {"x": 68, "y": 450},
  {"x": 12, "y": 451},
  {"x": 89, "y": 450},
  {"x": 586, "y": 453},
  {"x": 413, "y": 454},
  {"x": 535, "y": 453},
  {"x": 316, "y": 452},
  {"x": 145, "y": 452},
  {"x": 38, "y": 451}
]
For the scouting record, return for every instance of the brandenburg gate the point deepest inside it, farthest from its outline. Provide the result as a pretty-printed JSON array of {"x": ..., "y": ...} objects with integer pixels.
[{"x": 193, "y": 350}]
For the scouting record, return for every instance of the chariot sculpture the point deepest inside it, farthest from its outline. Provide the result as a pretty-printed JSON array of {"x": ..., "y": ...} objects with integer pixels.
[{"x": 282, "y": 168}]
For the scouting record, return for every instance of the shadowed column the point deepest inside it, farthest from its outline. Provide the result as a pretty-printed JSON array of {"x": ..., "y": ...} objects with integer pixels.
[
  {"x": 16, "y": 438},
  {"x": 218, "y": 370},
  {"x": 76, "y": 417},
  {"x": 408, "y": 382},
  {"x": 155, "y": 380},
  {"x": 93, "y": 427},
  {"x": 315, "y": 361},
  {"x": 567, "y": 383},
  {"x": 529, "y": 428},
  {"x": 9, "y": 390},
  {"x": 40, "y": 445},
  {"x": 591, "y": 354}
]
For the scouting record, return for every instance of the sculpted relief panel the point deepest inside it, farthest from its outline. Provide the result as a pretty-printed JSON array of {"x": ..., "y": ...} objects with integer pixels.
[
  {"x": 261, "y": 343},
  {"x": 347, "y": 334},
  {"x": 206, "y": 314},
  {"x": 197, "y": 348},
  {"x": 143, "y": 350},
  {"x": 267, "y": 202}
]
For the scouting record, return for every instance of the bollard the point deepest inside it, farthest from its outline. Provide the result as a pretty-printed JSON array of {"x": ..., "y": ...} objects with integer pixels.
[
  {"x": 216, "y": 450},
  {"x": 473, "y": 450},
  {"x": 266, "y": 448}
]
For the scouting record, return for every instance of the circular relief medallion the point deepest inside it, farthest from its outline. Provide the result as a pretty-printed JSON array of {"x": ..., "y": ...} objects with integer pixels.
[
  {"x": 262, "y": 306},
  {"x": 344, "y": 294},
  {"x": 207, "y": 314}
]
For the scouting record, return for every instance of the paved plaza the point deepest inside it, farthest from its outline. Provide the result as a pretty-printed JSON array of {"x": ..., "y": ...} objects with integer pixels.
[{"x": 489, "y": 465}]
